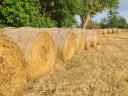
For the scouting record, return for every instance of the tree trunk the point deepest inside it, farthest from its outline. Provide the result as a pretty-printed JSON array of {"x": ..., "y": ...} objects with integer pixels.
[{"x": 85, "y": 21}]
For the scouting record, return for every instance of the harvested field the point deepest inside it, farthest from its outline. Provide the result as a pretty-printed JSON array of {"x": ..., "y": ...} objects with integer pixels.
[
  {"x": 12, "y": 67},
  {"x": 97, "y": 72}
]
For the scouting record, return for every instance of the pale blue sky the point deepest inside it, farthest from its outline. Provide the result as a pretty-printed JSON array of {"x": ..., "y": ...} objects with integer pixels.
[{"x": 123, "y": 10}]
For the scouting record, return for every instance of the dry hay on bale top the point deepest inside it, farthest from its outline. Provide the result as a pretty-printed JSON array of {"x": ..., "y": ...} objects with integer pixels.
[
  {"x": 64, "y": 41},
  {"x": 93, "y": 38},
  {"x": 12, "y": 67},
  {"x": 6, "y": 29},
  {"x": 38, "y": 48}
]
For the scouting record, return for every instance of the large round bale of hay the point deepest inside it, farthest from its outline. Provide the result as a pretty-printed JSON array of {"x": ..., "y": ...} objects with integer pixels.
[
  {"x": 12, "y": 67},
  {"x": 38, "y": 48},
  {"x": 114, "y": 30},
  {"x": 109, "y": 30},
  {"x": 119, "y": 31},
  {"x": 93, "y": 38},
  {"x": 86, "y": 41},
  {"x": 105, "y": 31},
  {"x": 79, "y": 39},
  {"x": 99, "y": 31},
  {"x": 64, "y": 40}
]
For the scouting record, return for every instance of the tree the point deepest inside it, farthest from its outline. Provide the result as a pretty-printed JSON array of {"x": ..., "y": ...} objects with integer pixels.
[
  {"x": 62, "y": 11},
  {"x": 48, "y": 13},
  {"x": 91, "y": 7},
  {"x": 22, "y": 13},
  {"x": 114, "y": 20}
]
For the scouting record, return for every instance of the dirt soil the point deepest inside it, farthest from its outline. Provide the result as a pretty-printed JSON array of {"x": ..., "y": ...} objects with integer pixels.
[{"x": 101, "y": 71}]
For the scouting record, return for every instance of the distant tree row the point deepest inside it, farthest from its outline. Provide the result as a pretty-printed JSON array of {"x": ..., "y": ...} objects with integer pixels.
[
  {"x": 51, "y": 13},
  {"x": 114, "y": 20}
]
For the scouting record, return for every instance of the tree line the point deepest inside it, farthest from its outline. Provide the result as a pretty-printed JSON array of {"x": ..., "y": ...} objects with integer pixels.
[{"x": 51, "y": 13}]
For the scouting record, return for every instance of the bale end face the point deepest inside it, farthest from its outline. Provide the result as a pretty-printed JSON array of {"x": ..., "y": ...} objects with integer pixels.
[
  {"x": 12, "y": 67},
  {"x": 41, "y": 55},
  {"x": 69, "y": 47},
  {"x": 79, "y": 41}
]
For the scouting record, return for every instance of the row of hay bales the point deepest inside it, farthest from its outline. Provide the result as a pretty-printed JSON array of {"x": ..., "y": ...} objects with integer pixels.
[
  {"x": 27, "y": 53},
  {"x": 115, "y": 30}
]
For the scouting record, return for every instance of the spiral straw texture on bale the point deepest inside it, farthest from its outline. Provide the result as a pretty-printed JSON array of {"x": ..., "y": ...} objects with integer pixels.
[
  {"x": 12, "y": 67},
  {"x": 65, "y": 42},
  {"x": 79, "y": 39},
  {"x": 38, "y": 48},
  {"x": 92, "y": 37}
]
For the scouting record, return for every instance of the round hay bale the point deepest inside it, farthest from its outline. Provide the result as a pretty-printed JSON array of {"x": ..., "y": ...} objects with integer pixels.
[
  {"x": 86, "y": 41},
  {"x": 38, "y": 48},
  {"x": 64, "y": 40},
  {"x": 79, "y": 39},
  {"x": 119, "y": 31},
  {"x": 12, "y": 67},
  {"x": 109, "y": 30},
  {"x": 105, "y": 31},
  {"x": 93, "y": 39},
  {"x": 99, "y": 31},
  {"x": 114, "y": 30}
]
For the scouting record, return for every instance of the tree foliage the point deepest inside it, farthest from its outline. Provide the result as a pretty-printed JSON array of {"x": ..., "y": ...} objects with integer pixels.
[
  {"x": 62, "y": 11},
  {"x": 48, "y": 13},
  {"x": 114, "y": 20},
  {"x": 22, "y": 13},
  {"x": 91, "y": 7}
]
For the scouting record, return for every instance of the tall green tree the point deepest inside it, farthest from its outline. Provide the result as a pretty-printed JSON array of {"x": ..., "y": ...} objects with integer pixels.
[
  {"x": 91, "y": 7},
  {"x": 114, "y": 20}
]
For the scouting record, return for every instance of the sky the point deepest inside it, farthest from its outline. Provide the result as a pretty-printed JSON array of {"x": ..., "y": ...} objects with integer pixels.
[{"x": 123, "y": 11}]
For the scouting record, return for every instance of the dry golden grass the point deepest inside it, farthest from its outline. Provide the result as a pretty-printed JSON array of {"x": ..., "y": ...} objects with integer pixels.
[
  {"x": 12, "y": 67},
  {"x": 97, "y": 72},
  {"x": 38, "y": 48}
]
